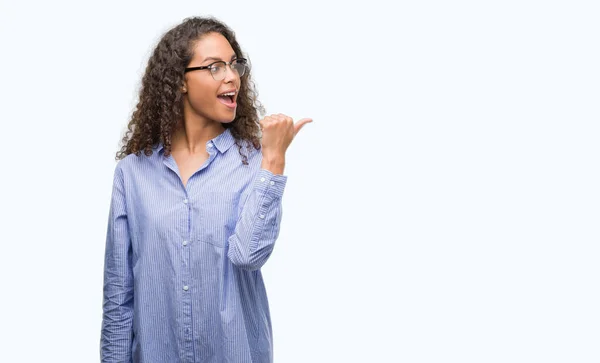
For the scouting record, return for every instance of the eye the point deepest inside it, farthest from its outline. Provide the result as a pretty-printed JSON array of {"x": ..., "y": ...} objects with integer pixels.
[{"x": 216, "y": 68}]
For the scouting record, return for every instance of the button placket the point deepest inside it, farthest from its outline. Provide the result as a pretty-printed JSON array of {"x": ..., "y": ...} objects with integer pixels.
[{"x": 185, "y": 258}]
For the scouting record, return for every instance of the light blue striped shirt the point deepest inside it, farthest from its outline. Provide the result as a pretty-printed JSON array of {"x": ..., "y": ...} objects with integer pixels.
[{"x": 182, "y": 280}]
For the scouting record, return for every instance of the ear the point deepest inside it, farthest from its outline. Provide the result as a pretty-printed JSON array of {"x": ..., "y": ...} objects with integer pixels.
[{"x": 184, "y": 88}]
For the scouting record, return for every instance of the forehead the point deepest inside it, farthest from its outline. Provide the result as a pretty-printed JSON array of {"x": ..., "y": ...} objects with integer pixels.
[{"x": 212, "y": 45}]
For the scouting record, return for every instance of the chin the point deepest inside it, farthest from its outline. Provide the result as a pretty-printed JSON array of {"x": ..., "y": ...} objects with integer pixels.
[{"x": 227, "y": 120}]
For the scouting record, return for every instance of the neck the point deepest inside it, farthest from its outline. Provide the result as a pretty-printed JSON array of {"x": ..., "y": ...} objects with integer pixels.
[{"x": 192, "y": 134}]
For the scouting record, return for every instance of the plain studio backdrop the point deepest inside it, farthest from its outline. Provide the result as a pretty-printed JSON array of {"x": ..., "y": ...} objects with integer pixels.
[{"x": 442, "y": 207}]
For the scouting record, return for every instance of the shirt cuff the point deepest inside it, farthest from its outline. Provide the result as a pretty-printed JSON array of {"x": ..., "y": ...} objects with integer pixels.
[{"x": 269, "y": 183}]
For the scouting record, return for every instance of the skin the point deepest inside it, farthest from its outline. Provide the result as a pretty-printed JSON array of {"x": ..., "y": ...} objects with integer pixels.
[{"x": 204, "y": 114}]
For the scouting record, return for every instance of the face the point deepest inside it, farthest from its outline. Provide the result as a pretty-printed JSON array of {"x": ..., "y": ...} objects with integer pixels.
[{"x": 202, "y": 91}]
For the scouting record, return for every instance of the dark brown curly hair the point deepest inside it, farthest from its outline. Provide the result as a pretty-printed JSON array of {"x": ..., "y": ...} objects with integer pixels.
[{"x": 160, "y": 105}]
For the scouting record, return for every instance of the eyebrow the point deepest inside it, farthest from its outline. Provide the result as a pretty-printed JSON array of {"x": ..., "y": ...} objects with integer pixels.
[{"x": 217, "y": 58}]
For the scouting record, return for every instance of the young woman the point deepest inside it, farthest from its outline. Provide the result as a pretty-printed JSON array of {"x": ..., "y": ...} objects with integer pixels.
[{"x": 195, "y": 208}]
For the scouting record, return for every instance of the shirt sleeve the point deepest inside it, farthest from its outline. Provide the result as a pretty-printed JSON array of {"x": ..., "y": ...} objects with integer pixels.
[
  {"x": 257, "y": 227},
  {"x": 117, "y": 318}
]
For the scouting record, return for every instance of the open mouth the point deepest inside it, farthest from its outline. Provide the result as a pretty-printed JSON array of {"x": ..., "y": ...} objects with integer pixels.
[{"x": 228, "y": 99}]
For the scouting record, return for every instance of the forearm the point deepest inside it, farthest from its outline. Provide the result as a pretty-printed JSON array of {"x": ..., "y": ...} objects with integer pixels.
[
  {"x": 117, "y": 317},
  {"x": 257, "y": 227},
  {"x": 117, "y": 326}
]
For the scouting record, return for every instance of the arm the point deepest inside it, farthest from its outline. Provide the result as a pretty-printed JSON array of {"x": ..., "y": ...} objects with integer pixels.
[
  {"x": 257, "y": 227},
  {"x": 117, "y": 318}
]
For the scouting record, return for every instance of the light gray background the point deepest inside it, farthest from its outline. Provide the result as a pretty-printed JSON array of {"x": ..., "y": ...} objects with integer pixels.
[{"x": 443, "y": 206}]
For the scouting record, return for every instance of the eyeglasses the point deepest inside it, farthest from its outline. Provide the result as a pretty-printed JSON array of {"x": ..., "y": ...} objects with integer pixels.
[{"x": 217, "y": 69}]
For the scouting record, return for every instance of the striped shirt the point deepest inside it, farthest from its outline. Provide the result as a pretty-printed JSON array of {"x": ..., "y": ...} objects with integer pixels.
[{"x": 182, "y": 280}]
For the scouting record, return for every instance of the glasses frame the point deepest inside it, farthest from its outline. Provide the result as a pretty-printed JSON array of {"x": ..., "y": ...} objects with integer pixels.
[{"x": 244, "y": 61}]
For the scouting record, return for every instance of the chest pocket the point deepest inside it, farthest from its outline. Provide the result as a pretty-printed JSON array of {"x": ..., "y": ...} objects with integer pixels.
[{"x": 218, "y": 213}]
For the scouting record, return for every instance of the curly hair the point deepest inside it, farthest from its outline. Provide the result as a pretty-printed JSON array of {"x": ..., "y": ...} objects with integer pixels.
[{"x": 160, "y": 105}]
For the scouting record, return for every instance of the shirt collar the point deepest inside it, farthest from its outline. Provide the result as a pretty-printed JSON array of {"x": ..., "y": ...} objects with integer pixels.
[{"x": 222, "y": 142}]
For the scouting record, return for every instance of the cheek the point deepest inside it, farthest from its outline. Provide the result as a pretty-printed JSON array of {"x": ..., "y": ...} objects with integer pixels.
[{"x": 202, "y": 99}]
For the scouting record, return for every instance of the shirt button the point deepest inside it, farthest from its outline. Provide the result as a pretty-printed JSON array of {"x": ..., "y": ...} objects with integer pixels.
[
  {"x": 185, "y": 201},
  {"x": 186, "y": 288},
  {"x": 185, "y": 243},
  {"x": 262, "y": 179},
  {"x": 210, "y": 145},
  {"x": 272, "y": 183},
  {"x": 262, "y": 216}
]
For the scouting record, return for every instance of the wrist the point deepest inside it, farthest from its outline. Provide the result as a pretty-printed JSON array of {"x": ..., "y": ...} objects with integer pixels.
[{"x": 274, "y": 163}]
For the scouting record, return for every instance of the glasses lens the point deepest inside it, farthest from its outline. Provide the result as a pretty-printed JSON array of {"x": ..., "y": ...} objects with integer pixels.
[
  {"x": 218, "y": 70},
  {"x": 239, "y": 66}
]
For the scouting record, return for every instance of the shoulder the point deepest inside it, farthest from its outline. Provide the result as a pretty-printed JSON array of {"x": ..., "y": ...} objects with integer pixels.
[{"x": 134, "y": 164}]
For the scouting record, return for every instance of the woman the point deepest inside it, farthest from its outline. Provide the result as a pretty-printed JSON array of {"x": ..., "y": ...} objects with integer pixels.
[{"x": 195, "y": 209}]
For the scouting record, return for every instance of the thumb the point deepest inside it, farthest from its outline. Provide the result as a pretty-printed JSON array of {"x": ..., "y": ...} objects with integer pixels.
[{"x": 298, "y": 125}]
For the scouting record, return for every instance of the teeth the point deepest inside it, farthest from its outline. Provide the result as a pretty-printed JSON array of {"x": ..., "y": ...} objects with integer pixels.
[{"x": 228, "y": 94}]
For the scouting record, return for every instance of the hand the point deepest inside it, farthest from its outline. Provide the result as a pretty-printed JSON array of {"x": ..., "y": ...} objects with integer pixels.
[{"x": 278, "y": 131}]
